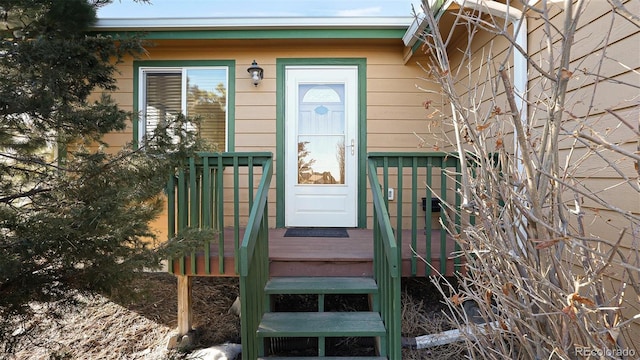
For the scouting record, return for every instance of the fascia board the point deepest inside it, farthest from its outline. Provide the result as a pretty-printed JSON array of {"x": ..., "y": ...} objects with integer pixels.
[
  {"x": 185, "y": 24},
  {"x": 420, "y": 24}
]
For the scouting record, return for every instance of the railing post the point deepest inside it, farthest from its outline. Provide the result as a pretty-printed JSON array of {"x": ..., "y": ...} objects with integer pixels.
[{"x": 185, "y": 306}]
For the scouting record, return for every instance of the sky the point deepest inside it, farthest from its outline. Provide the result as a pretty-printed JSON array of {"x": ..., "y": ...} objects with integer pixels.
[{"x": 256, "y": 8}]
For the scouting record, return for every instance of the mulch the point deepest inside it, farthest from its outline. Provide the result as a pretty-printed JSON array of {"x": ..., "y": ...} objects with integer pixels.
[{"x": 108, "y": 328}]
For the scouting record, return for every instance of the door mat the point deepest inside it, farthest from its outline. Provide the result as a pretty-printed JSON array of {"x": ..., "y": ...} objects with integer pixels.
[{"x": 317, "y": 232}]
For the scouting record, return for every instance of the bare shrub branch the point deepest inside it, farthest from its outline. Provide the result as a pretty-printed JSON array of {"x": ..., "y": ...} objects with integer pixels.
[{"x": 552, "y": 255}]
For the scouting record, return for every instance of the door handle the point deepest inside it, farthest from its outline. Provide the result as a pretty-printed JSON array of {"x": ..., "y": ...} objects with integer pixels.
[{"x": 352, "y": 146}]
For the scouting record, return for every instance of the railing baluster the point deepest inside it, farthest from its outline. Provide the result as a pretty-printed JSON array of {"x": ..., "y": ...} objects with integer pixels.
[
  {"x": 171, "y": 216},
  {"x": 236, "y": 210},
  {"x": 182, "y": 211},
  {"x": 385, "y": 179},
  {"x": 399, "y": 203},
  {"x": 414, "y": 215},
  {"x": 193, "y": 206},
  {"x": 428, "y": 225},
  {"x": 220, "y": 212},
  {"x": 250, "y": 184},
  {"x": 206, "y": 210},
  {"x": 443, "y": 220}
]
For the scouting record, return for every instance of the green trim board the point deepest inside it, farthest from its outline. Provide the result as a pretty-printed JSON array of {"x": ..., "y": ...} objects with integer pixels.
[
  {"x": 281, "y": 64},
  {"x": 231, "y": 91},
  {"x": 373, "y": 33}
]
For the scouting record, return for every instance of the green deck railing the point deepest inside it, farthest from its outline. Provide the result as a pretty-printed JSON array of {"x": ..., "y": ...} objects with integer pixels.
[
  {"x": 254, "y": 267},
  {"x": 422, "y": 181},
  {"x": 205, "y": 193},
  {"x": 386, "y": 269},
  {"x": 418, "y": 179}
]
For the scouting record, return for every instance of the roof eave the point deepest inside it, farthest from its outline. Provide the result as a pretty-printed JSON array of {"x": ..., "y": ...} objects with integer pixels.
[
  {"x": 282, "y": 23},
  {"x": 419, "y": 25}
]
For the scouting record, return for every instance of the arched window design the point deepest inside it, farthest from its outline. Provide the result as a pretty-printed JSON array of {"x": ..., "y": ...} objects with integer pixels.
[{"x": 321, "y": 126}]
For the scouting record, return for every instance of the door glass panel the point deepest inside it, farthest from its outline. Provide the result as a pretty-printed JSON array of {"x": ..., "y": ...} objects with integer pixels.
[{"x": 321, "y": 134}]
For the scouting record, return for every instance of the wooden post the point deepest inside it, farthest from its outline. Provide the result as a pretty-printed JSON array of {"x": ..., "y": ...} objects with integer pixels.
[{"x": 185, "y": 311}]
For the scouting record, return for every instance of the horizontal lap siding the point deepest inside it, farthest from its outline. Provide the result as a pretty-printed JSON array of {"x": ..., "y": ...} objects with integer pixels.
[
  {"x": 394, "y": 103},
  {"x": 588, "y": 101}
]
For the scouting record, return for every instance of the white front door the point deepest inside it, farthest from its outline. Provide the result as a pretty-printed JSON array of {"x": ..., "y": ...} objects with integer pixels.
[{"x": 321, "y": 118}]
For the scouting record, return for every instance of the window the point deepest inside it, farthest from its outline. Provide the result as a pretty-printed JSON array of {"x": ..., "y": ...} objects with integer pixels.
[{"x": 199, "y": 92}]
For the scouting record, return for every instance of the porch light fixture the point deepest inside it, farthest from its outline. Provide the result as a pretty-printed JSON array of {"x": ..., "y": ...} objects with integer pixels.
[{"x": 256, "y": 73}]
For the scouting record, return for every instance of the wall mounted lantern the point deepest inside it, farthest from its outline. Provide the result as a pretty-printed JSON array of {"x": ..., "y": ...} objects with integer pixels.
[{"x": 256, "y": 73}]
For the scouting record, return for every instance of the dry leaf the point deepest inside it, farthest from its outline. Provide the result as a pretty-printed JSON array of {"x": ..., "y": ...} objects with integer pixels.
[
  {"x": 426, "y": 104},
  {"x": 612, "y": 336},
  {"x": 570, "y": 311},
  {"x": 499, "y": 143},
  {"x": 582, "y": 300},
  {"x": 483, "y": 126},
  {"x": 565, "y": 74},
  {"x": 496, "y": 111},
  {"x": 506, "y": 288},
  {"x": 546, "y": 244},
  {"x": 487, "y": 297},
  {"x": 457, "y": 299}
]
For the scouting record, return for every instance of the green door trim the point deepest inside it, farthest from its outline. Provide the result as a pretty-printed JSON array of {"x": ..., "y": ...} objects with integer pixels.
[{"x": 281, "y": 65}]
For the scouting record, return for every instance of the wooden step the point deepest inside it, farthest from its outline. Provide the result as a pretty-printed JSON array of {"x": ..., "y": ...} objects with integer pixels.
[
  {"x": 321, "y": 285},
  {"x": 319, "y": 324},
  {"x": 324, "y": 358}
]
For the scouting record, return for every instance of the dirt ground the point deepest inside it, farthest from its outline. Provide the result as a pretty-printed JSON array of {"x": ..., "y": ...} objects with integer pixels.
[{"x": 101, "y": 328}]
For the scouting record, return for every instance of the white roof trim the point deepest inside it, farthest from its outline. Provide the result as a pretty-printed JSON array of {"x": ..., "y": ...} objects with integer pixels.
[
  {"x": 417, "y": 26},
  {"x": 159, "y": 24},
  {"x": 420, "y": 23}
]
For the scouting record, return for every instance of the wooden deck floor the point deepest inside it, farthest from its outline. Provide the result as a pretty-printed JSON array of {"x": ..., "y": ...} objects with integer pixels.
[{"x": 320, "y": 256}]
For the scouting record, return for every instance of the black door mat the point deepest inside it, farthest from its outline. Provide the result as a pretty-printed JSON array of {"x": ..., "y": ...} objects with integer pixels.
[{"x": 317, "y": 232}]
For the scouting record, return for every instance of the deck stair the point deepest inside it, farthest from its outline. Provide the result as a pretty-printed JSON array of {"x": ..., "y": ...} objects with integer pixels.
[{"x": 322, "y": 324}]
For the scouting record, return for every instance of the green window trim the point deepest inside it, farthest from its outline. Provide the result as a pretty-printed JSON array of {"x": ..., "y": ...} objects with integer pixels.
[
  {"x": 231, "y": 90},
  {"x": 281, "y": 64}
]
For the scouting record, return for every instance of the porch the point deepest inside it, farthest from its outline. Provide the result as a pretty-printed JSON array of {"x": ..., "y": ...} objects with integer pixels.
[
  {"x": 227, "y": 194},
  {"x": 324, "y": 256}
]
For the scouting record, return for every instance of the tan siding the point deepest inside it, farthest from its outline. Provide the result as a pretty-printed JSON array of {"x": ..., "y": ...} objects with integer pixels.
[
  {"x": 405, "y": 98},
  {"x": 389, "y": 80},
  {"x": 257, "y": 127},
  {"x": 392, "y": 95},
  {"x": 253, "y": 99},
  {"x": 255, "y": 112},
  {"x": 588, "y": 100},
  {"x": 592, "y": 30}
]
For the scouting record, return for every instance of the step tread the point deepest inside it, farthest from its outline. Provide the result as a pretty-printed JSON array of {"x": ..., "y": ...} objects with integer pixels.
[
  {"x": 312, "y": 324},
  {"x": 324, "y": 358},
  {"x": 321, "y": 285}
]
